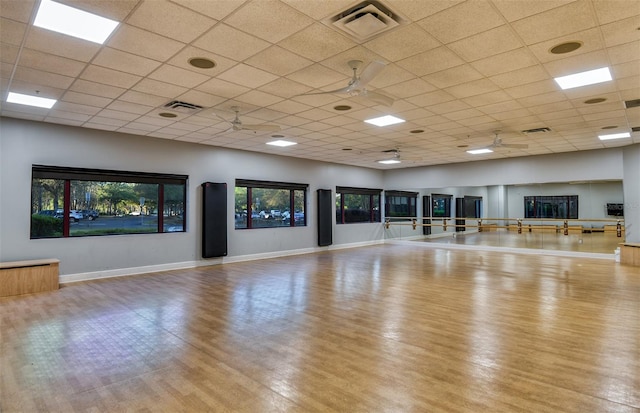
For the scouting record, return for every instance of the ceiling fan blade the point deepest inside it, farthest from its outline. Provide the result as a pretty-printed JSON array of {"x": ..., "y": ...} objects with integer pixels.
[
  {"x": 370, "y": 72},
  {"x": 342, "y": 90},
  {"x": 515, "y": 145},
  {"x": 262, "y": 128},
  {"x": 379, "y": 98}
]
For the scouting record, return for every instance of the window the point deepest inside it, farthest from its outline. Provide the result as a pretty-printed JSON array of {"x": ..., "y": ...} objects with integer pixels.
[
  {"x": 74, "y": 202},
  {"x": 357, "y": 205},
  {"x": 267, "y": 204},
  {"x": 441, "y": 206},
  {"x": 559, "y": 207},
  {"x": 400, "y": 204}
]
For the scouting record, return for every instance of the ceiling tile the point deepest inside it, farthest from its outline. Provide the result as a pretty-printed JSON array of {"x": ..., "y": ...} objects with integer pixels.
[
  {"x": 177, "y": 76},
  {"x": 516, "y": 10},
  {"x": 97, "y": 89},
  {"x": 487, "y": 98},
  {"x": 114, "y": 10},
  {"x": 9, "y": 54},
  {"x": 129, "y": 107},
  {"x": 520, "y": 76},
  {"x": 231, "y": 43},
  {"x": 143, "y": 43},
  {"x": 476, "y": 87},
  {"x": 453, "y": 76},
  {"x": 285, "y": 88},
  {"x": 248, "y": 76},
  {"x": 264, "y": 19},
  {"x": 222, "y": 88},
  {"x": 50, "y": 63},
  {"x": 622, "y": 31},
  {"x": 573, "y": 17},
  {"x": 170, "y": 20},
  {"x": 19, "y": 10},
  {"x": 591, "y": 41},
  {"x": 125, "y": 62},
  {"x": 505, "y": 62},
  {"x": 410, "y": 88},
  {"x": 258, "y": 98},
  {"x": 66, "y": 46},
  {"x": 532, "y": 89},
  {"x": 478, "y": 16},
  {"x": 85, "y": 99},
  {"x": 110, "y": 77},
  {"x": 215, "y": 9},
  {"x": 430, "y": 62},
  {"x": 200, "y": 98},
  {"x": 577, "y": 63},
  {"x": 114, "y": 114},
  {"x": 316, "y": 43},
  {"x": 319, "y": 8},
  {"x": 278, "y": 61},
  {"x": 141, "y": 98},
  {"x": 492, "y": 42},
  {"x": 623, "y": 53},
  {"x": 12, "y": 32},
  {"x": 158, "y": 88},
  {"x": 413, "y": 39},
  {"x": 38, "y": 77},
  {"x": 609, "y": 11},
  {"x": 182, "y": 58},
  {"x": 318, "y": 76}
]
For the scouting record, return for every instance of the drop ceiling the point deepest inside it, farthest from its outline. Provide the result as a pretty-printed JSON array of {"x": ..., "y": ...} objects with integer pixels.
[{"x": 457, "y": 71}]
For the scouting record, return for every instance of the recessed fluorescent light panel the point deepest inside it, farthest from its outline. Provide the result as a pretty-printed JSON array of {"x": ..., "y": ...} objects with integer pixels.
[
  {"x": 74, "y": 22},
  {"x": 30, "y": 100},
  {"x": 384, "y": 120},
  {"x": 281, "y": 143},
  {"x": 479, "y": 151},
  {"x": 389, "y": 161},
  {"x": 614, "y": 136},
  {"x": 589, "y": 77}
]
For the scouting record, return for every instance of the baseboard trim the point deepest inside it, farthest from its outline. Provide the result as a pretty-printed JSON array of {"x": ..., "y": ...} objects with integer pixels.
[{"x": 123, "y": 272}]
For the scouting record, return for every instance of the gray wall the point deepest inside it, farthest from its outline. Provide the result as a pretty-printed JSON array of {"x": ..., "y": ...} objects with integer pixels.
[
  {"x": 631, "y": 186},
  {"x": 24, "y": 143}
]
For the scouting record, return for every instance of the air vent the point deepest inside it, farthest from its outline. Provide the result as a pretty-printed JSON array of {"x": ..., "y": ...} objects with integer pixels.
[
  {"x": 632, "y": 103},
  {"x": 365, "y": 21},
  {"x": 635, "y": 129},
  {"x": 183, "y": 107},
  {"x": 536, "y": 130}
]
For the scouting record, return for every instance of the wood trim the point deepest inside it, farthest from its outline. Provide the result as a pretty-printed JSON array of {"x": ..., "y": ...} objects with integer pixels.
[{"x": 30, "y": 276}]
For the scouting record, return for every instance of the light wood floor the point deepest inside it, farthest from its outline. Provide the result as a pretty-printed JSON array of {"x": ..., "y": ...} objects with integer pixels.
[
  {"x": 597, "y": 242},
  {"x": 389, "y": 328}
]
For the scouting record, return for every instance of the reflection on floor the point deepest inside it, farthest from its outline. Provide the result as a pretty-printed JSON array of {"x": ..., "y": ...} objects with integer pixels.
[{"x": 596, "y": 242}]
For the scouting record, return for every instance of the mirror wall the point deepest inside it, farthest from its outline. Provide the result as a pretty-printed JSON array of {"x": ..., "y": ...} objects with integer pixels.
[{"x": 567, "y": 216}]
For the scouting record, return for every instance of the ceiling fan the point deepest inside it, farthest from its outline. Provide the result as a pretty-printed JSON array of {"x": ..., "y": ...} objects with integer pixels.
[
  {"x": 357, "y": 84},
  {"x": 395, "y": 157},
  {"x": 237, "y": 125},
  {"x": 497, "y": 143}
]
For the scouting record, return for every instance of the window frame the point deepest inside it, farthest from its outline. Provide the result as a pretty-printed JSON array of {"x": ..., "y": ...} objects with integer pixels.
[
  {"x": 344, "y": 190},
  {"x": 447, "y": 199},
  {"x": 292, "y": 187},
  {"x": 538, "y": 202},
  {"x": 68, "y": 174},
  {"x": 411, "y": 204}
]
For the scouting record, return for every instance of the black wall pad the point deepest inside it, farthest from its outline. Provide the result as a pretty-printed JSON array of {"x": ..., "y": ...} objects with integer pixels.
[
  {"x": 325, "y": 218},
  {"x": 460, "y": 213},
  {"x": 214, "y": 219},
  {"x": 426, "y": 212}
]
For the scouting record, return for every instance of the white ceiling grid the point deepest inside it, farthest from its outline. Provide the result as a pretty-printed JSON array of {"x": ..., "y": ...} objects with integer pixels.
[{"x": 458, "y": 71}]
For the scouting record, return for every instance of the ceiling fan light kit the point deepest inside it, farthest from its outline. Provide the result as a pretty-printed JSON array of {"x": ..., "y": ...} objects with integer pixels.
[
  {"x": 357, "y": 85},
  {"x": 237, "y": 125}
]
